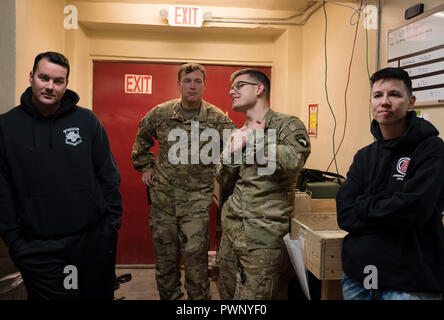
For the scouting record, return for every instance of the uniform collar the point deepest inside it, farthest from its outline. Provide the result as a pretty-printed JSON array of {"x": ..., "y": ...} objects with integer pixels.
[
  {"x": 268, "y": 117},
  {"x": 178, "y": 114}
]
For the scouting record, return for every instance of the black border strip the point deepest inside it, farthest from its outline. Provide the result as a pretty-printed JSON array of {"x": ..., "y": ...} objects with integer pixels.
[
  {"x": 436, "y": 86},
  {"x": 422, "y": 63},
  {"x": 416, "y": 53},
  {"x": 424, "y": 75}
]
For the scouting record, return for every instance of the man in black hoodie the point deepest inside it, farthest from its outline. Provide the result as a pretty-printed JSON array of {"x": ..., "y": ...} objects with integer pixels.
[
  {"x": 392, "y": 202},
  {"x": 59, "y": 190}
]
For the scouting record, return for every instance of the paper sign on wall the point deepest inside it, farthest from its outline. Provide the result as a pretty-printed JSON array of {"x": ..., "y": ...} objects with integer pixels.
[
  {"x": 138, "y": 84},
  {"x": 312, "y": 120}
]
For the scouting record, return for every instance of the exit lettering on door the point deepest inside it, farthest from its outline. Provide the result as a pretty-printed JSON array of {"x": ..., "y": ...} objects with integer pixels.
[{"x": 140, "y": 84}]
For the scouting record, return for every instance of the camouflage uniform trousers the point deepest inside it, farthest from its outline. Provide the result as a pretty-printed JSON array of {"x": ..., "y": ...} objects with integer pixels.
[
  {"x": 179, "y": 223},
  {"x": 250, "y": 274}
]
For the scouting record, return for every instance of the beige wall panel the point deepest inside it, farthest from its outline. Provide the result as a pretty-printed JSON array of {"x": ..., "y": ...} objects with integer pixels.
[
  {"x": 39, "y": 25},
  {"x": 340, "y": 36},
  {"x": 7, "y": 55}
]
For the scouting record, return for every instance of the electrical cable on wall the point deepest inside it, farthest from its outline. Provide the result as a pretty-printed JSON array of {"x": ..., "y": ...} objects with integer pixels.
[
  {"x": 366, "y": 60},
  {"x": 326, "y": 90},
  {"x": 304, "y": 14},
  {"x": 358, "y": 12},
  {"x": 325, "y": 86},
  {"x": 310, "y": 9}
]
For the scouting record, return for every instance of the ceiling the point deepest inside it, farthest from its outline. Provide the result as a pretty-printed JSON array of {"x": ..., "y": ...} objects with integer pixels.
[
  {"x": 296, "y": 6},
  {"x": 286, "y": 5}
]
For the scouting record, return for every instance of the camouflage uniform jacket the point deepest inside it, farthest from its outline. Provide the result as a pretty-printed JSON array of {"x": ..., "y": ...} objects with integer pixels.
[
  {"x": 157, "y": 124},
  {"x": 263, "y": 203}
]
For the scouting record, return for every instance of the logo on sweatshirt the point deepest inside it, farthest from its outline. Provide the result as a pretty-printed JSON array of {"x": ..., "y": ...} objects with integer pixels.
[
  {"x": 72, "y": 136},
  {"x": 401, "y": 167}
]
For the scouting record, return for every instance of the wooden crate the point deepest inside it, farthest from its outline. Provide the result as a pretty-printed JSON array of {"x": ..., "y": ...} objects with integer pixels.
[
  {"x": 323, "y": 239},
  {"x": 302, "y": 203}
]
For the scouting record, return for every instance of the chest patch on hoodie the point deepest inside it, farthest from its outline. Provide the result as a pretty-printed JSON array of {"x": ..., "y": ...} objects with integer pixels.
[
  {"x": 72, "y": 136},
  {"x": 401, "y": 168}
]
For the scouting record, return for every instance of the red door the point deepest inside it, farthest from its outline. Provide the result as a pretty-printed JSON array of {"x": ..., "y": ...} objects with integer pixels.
[{"x": 120, "y": 110}]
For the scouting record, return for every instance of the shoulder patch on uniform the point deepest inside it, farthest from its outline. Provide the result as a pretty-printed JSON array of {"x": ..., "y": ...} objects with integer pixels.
[{"x": 292, "y": 127}]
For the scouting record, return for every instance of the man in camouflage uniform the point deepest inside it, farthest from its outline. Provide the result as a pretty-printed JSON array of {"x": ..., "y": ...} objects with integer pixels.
[
  {"x": 180, "y": 187},
  {"x": 256, "y": 215}
]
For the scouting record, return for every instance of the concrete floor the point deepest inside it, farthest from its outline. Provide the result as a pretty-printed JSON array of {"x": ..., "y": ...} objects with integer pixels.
[{"x": 143, "y": 285}]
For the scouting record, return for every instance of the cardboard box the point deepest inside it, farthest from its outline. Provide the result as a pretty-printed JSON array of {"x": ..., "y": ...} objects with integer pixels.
[{"x": 322, "y": 238}]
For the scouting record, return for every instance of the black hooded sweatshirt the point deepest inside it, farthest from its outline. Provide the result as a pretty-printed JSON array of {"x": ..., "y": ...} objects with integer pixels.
[
  {"x": 57, "y": 173},
  {"x": 391, "y": 204}
]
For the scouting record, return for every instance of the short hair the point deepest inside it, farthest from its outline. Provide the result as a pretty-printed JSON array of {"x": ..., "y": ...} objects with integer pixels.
[
  {"x": 190, "y": 67},
  {"x": 393, "y": 73},
  {"x": 53, "y": 57},
  {"x": 255, "y": 74}
]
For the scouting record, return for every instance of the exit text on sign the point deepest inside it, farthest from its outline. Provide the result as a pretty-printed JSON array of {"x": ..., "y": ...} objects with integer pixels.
[
  {"x": 185, "y": 16},
  {"x": 140, "y": 84}
]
